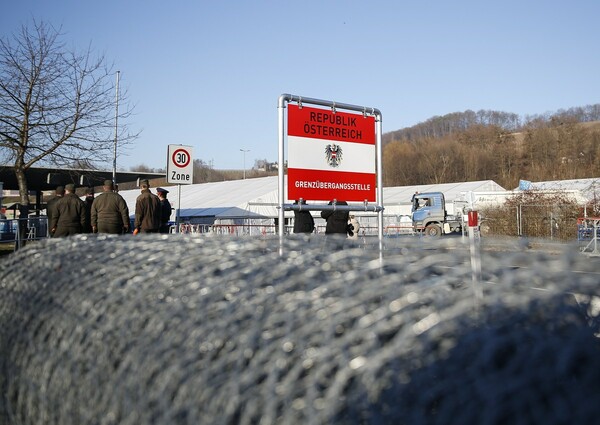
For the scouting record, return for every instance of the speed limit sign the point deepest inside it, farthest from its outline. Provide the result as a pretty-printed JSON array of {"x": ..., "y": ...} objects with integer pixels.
[{"x": 180, "y": 164}]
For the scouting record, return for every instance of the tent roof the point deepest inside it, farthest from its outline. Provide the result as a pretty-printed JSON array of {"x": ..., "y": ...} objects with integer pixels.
[
  {"x": 259, "y": 197},
  {"x": 224, "y": 200},
  {"x": 589, "y": 188},
  {"x": 225, "y": 212},
  {"x": 403, "y": 194}
]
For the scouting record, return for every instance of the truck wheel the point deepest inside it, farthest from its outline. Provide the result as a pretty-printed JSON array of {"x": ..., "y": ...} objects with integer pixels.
[{"x": 433, "y": 230}]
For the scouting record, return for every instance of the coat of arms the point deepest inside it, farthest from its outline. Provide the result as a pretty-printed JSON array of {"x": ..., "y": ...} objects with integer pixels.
[{"x": 333, "y": 155}]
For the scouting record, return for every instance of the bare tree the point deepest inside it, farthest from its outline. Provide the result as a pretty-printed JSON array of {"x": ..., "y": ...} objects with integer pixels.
[
  {"x": 142, "y": 168},
  {"x": 56, "y": 105}
]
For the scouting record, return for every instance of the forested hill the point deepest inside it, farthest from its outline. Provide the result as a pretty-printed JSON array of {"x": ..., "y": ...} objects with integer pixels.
[
  {"x": 440, "y": 126},
  {"x": 499, "y": 146}
]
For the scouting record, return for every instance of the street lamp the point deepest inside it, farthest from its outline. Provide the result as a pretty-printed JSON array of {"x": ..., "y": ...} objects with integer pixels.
[
  {"x": 114, "y": 173},
  {"x": 244, "y": 154}
]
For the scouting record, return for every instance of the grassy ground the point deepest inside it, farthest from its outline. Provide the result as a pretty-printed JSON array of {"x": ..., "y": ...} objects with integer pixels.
[{"x": 7, "y": 248}]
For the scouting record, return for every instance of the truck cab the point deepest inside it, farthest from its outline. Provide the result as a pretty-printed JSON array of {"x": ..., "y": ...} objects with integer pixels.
[{"x": 429, "y": 215}]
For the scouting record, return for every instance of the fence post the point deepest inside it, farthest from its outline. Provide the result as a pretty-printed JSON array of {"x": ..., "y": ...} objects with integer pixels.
[{"x": 519, "y": 229}]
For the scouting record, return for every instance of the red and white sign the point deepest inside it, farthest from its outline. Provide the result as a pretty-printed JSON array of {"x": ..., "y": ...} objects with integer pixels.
[
  {"x": 330, "y": 155},
  {"x": 180, "y": 164}
]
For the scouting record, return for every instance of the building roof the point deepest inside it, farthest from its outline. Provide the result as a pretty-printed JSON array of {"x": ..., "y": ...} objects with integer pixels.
[{"x": 46, "y": 178}]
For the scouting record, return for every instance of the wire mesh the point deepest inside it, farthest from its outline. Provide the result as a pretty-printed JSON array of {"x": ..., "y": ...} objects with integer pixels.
[
  {"x": 555, "y": 222},
  {"x": 210, "y": 330}
]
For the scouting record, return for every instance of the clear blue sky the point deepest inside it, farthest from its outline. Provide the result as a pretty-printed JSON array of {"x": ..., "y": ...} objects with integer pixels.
[{"x": 209, "y": 73}]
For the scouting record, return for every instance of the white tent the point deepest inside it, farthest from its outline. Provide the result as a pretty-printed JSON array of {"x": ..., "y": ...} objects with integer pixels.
[
  {"x": 256, "y": 200},
  {"x": 588, "y": 189},
  {"x": 397, "y": 200},
  {"x": 259, "y": 197},
  {"x": 228, "y": 200}
]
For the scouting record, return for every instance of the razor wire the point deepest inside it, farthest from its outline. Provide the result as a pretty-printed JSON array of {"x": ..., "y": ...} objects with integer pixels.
[{"x": 171, "y": 329}]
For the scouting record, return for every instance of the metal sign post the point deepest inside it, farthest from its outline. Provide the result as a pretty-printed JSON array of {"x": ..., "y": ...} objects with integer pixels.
[
  {"x": 333, "y": 155},
  {"x": 180, "y": 170}
]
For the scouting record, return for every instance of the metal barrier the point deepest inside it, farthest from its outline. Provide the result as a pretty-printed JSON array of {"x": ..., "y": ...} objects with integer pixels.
[
  {"x": 398, "y": 230},
  {"x": 35, "y": 228},
  {"x": 228, "y": 229},
  {"x": 588, "y": 229}
]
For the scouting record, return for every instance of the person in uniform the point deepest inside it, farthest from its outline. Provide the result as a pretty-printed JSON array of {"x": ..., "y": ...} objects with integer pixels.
[
  {"x": 51, "y": 206},
  {"x": 110, "y": 213},
  {"x": 165, "y": 209},
  {"x": 68, "y": 217},
  {"x": 147, "y": 210},
  {"x": 88, "y": 201}
]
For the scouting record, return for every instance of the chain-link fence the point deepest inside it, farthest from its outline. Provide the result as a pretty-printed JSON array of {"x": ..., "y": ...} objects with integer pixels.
[{"x": 553, "y": 222}]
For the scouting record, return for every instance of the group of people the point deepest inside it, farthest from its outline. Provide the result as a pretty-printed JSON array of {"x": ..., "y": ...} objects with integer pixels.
[
  {"x": 339, "y": 222},
  {"x": 108, "y": 212}
]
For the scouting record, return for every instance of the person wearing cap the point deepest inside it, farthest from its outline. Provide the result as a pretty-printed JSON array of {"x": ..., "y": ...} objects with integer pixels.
[
  {"x": 147, "y": 210},
  {"x": 70, "y": 214},
  {"x": 51, "y": 205},
  {"x": 165, "y": 209},
  {"x": 110, "y": 213}
]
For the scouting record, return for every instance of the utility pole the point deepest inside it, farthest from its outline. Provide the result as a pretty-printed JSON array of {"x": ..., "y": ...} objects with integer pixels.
[
  {"x": 116, "y": 130},
  {"x": 244, "y": 152}
]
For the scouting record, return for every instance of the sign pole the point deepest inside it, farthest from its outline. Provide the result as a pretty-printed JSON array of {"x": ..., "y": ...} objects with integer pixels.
[
  {"x": 180, "y": 171},
  {"x": 335, "y": 152},
  {"x": 178, "y": 215}
]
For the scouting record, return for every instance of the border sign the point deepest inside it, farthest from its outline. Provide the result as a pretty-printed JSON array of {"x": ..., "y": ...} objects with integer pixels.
[
  {"x": 331, "y": 155},
  {"x": 180, "y": 164},
  {"x": 350, "y": 145}
]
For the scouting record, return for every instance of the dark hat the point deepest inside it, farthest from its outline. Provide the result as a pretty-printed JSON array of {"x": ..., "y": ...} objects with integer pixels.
[
  {"x": 108, "y": 182},
  {"x": 144, "y": 182},
  {"x": 70, "y": 187},
  {"x": 60, "y": 190},
  {"x": 161, "y": 190}
]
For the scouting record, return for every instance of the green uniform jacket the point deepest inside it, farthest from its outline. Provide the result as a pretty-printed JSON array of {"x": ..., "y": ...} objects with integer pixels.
[
  {"x": 147, "y": 211},
  {"x": 69, "y": 216},
  {"x": 109, "y": 210},
  {"x": 51, "y": 210}
]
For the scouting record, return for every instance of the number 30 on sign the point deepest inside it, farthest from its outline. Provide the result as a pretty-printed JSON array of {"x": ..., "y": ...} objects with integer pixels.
[{"x": 180, "y": 164}]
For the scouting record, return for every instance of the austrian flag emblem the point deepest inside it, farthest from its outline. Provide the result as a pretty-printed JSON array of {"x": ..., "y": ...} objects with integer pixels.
[{"x": 333, "y": 155}]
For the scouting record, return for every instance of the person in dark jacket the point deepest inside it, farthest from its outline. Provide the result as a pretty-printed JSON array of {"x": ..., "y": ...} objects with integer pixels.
[
  {"x": 303, "y": 220},
  {"x": 110, "y": 213},
  {"x": 165, "y": 209},
  {"x": 147, "y": 210},
  {"x": 88, "y": 201},
  {"x": 51, "y": 206},
  {"x": 69, "y": 217},
  {"x": 337, "y": 221},
  {"x": 337, "y": 226}
]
